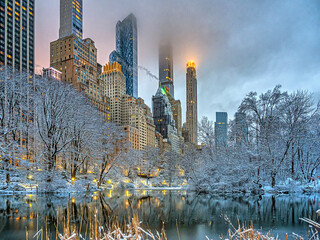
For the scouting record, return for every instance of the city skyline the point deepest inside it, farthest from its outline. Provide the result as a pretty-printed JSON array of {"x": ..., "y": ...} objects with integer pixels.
[{"x": 223, "y": 71}]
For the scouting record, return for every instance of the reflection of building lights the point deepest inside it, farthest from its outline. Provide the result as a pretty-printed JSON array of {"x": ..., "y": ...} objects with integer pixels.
[
  {"x": 30, "y": 176},
  {"x": 73, "y": 200},
  {"x": 144, "y": 192},
  {"x": 73, "y": 179},
  {"x": 109, "y": 181},
  {"x": 94, "y": 180},
  {"x": 164, "y": 192},
  {"x": 95, "y": 197},
  {"x": 128, "y": 194}
]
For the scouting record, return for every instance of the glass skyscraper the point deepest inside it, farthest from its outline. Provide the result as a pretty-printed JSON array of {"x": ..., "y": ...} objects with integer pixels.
[
  {"x": 17, "y": 34},
  {"x": 221, "y": 129},
  {"x": 166, "y": 68},
  {"x": 70, "y": 18},
  {"x": 126, "y": 52}
]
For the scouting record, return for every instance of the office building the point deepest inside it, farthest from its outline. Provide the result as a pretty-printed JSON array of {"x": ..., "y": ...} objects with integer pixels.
[
  {"x": 221, "y": 129},
  {"x": 176, "y": 112},
  {"x": 241, "y": 128},
  {"x": 132, "y": 136},
  {"x": 166, "y": 68},
  {"x": 51, "y": 73},
  {"x": 192, "y": 109},
  {"x": 114, "y": 87},
  {"x": 17, "y": 34},
  {"x": 77, "y": 61},
  {"x": 70, "y": 18},
  {"x": 135, "y": 113},
  {"x": 163, "y": 119},
  {"x": 126, "y": 52}
]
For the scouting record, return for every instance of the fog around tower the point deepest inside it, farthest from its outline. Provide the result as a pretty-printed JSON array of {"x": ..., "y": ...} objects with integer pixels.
[{"x": 238, "y": 46}]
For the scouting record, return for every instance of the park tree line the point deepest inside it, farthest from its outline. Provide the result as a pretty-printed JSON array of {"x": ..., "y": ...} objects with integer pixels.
[{"x": 275, "y": 143}]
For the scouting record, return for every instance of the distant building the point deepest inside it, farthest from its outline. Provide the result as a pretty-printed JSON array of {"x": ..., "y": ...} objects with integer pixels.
[
  {"x": 132, "y": 135},
  {"x": 185, "y": 133},
  {"x": 126, "y": 52},
  {"x": 177, "y": 113},
  {"x": 17, "y": 34},
  {"x": 77, "y": 61},
  {"x": 70, "y": 18},
  {"x": 192, "y": 109},
  {"x": 221, "y": 129},
  {"x": 135, "y": 113},
  {"x": 114, "y": 87},
  {"x": 51, "y": 73},
  {"x": 163, "y": 119},
  {"x": 241, "y": 129},
  {"x": 166, "y": 68}
]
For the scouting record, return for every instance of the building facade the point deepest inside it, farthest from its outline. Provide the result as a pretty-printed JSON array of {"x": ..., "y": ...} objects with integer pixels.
[
  {"x": 164, "y": 121},
  {"x": 51, "y": 73},
  {"x": 192, "y": 109},
  {"x": 135, "y": 113},
  {"x": 166, "y": 68},
  {"x": 221, "y": 129},
  {"x": 126, "y": 53},
  {"x": 132, "y": 136},
  {"x": 241, "y": 128},
  {"x": 70, "y": 18},
  {"x": 17, "y": 34},
  {"x": 77, "y": 61},
  {"x": 177, "y": 113},
  {"x": 114, "y": 87}
]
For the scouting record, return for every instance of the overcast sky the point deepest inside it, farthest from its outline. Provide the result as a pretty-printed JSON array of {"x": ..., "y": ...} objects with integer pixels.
[{"x": 238, "y": 46}]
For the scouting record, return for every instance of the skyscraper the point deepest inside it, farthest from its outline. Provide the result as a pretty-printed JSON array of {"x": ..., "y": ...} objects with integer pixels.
[
  {"x": 17, "y": 34},
  {"x": 192, "y": 110},
  {"x": 221, "y": 129},
  {"x": 114, "y": 88},
  {"x": 163, "y": 119},
  {"x": 241, "y": 129},
  {"x": 126, "y": 52},
  {"x": 166, "y": 68},
  {"x": 70, "y": 18}
]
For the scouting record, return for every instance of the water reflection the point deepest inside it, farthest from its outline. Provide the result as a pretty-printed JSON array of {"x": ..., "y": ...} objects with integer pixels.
[{"x": 196, "y": 215}]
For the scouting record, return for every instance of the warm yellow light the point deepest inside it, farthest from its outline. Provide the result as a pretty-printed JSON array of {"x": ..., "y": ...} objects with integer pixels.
[
  {"x": 30, "y": 176},
  {"x": 73, "y": 200},
  {"x": 191, "y": 64},
  {"x": 109, "y": 181},
  {"x": 73, "y": 179},
  {"x": 94, "y": 180}
]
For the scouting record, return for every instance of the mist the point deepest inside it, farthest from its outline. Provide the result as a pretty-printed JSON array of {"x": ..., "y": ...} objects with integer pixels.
[{"x": 238, "y": 46}]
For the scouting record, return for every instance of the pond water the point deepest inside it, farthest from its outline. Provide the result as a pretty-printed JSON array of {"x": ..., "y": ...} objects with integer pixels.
[{"x": 195, "y": 216}]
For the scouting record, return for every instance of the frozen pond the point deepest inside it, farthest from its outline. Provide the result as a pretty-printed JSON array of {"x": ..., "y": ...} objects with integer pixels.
[{"x": 197, "y": 216}]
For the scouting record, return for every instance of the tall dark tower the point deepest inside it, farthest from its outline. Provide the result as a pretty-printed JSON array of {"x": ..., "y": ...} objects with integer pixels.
[
  {"x": 126, "y": 53},
  {"x": 70, "y": 18},
  {"x": 166, "y": 68},
  {"x": 17, "y": 34},
  {"x": 192, "y": 109}
]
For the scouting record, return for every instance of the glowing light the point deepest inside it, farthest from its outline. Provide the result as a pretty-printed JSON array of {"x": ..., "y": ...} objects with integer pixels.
[
  {"x": 30, "y": 176},
  {"x": 109, "y": 181},
  {"x": 191, "y": 64},
  {"x": 73, "y": 200},
  {"x": 95, "y": 180},
  {"x": 110, "y": 194},
  {"x": 128, "y": 194},
  {"x": 73, "y": 179}
]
